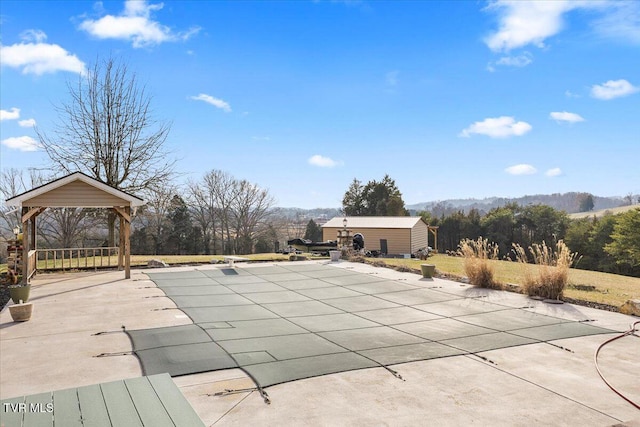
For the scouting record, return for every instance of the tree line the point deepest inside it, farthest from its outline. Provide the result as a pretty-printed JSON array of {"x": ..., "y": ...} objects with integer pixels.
[
  {"x": 218, "y": 214},
  {"x": 610, "y": 243}
]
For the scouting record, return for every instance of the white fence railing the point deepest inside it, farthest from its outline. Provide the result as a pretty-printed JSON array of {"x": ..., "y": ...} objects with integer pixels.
[{"x": 74, "y": 258}]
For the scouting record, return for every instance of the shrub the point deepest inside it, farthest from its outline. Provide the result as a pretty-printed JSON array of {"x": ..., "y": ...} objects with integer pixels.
[
  {"x": 477, "y": 255},
  {"x": 552, "y": 272}
]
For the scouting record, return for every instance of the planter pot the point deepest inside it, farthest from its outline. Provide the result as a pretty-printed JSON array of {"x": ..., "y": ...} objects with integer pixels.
[
  {"x": 428, "y": 270},
  {"x": 19, "y": 293},
  {"x": 21, "y": 312},
  {"x": 335, "y": 256}
]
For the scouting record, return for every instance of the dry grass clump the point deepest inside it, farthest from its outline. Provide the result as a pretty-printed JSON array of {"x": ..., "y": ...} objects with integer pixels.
[
  {"x": 357, "y": 258},
  {"x": 378, "y": 263},
  {"x": 552, "y": 270},
  {"x": 477, "y": 254},
  {"x": 405, "y": 269}
]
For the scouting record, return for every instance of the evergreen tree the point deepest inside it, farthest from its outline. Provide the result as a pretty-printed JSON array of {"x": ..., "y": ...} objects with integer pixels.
[
  {"x": 353, "y": 201},
  {"x": 179, "y": 241},
  {"x": 499, "y": 225},
  {"x": 374, "y": 199},
  {"x": 313, "y": 232},
  {"x": 585, "y": 202},
  {"x": 625, "y": 244}
]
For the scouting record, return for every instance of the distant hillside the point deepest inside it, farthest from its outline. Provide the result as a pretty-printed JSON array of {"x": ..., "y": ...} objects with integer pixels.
[
  {"x": 306, "y": 214},
  {"x": 568, "y": 202}
]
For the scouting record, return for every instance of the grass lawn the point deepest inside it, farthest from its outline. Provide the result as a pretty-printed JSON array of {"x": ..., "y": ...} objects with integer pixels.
[
  {"x": 141, "y": 261},
  {"x": 592, "y": 286}
]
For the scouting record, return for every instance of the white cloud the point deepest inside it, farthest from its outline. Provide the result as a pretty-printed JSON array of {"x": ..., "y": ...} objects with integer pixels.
[
  {"x": 498, "y": 127},
  {"x": 136, "y": 25},
  {"x": 553, "y": 172},
  {"x": 522, "y": 169},
  {"x": 12, "y": 114},
  {"x": 523, "y": 23},
  {"x": 35, "y": 57},
  {"x": 621, "y": 20},
  {"x": 22, "y": 143},
  {"x": 323, "y": 162},
  {"x": 516, "y": 61},
  {"x": 564, "y": 116},
  {"x": 27, "y": 123},
  {"x": 519, "y": 61},
  {"x": 261, "y": 138},
  {"x": 613, "y": 89},
  {"x": 218, "y": 103},
  {"x": 526, "y": 22},
  {"x": 570, "y": 94}
]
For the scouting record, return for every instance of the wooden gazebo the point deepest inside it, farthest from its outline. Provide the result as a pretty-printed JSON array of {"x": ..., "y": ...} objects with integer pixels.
[{"x": 76, "y": 190}]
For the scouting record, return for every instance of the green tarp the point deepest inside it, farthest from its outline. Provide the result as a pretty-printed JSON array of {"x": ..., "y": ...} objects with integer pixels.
[{"x": 288, "y": 322}]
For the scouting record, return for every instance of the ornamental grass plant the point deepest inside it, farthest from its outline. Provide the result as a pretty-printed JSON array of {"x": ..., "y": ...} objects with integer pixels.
[
  {"x": 550, "y": 277},
  {"x": 478, "y": 255}
]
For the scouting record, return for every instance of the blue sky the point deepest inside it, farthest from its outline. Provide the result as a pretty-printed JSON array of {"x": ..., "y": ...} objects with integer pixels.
[{"x": 453, "y": 99}]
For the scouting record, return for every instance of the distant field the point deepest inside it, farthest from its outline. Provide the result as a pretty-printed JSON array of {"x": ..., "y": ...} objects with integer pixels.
[
  {"x": 603, "y": 212},
  {"x": 592, "y": 286}
]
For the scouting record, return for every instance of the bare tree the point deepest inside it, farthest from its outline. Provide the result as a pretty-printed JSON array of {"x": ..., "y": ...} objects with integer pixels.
[
  {"x": 107, "y": 130},
  {"x": 203, "y": 206},
  {"x": 230, "y": 211},
  {"x": 224, "y": 188},
  {"x": 12, "y": 183},
  {"x": 62, "y": 227},
  {"x": 250, "y": 209},
  {"x": 628, "y": 199},
  {"x": 156, "y": 212}
]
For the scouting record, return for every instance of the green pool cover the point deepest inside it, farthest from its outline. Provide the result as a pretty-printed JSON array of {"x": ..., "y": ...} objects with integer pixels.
[{"x": 284, "y": 323}]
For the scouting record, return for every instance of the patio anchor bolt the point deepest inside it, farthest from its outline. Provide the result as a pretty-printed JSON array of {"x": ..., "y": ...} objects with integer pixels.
[
  {"x": 485, "y": 359},
  {"x": 228, "y": 391},
  {"x": 106, "y": 332},
  {"x": 561, "y": 347},
  {"x": 394, "y": 373},
  {"x": 123, "y": 353},
  {"x": 264, "y": 395}
]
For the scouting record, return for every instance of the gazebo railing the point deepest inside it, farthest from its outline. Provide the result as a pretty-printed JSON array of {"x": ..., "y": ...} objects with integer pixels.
[
  {"x": 74, "y": 258},
  {"x": 32, "y": 260}
]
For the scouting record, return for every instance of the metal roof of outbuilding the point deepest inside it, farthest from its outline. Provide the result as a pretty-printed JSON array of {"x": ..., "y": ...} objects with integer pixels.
[{"x": 374, "y": 222}]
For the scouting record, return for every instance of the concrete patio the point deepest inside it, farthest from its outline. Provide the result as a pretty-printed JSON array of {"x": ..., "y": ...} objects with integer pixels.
[{"x": 79, "y": 316}]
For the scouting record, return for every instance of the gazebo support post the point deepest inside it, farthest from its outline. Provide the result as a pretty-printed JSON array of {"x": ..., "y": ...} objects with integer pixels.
[
  {"x": 124, "y": 252},
  {"x": 121, "y": 243},
  {"x": 28, "y": 237},
  {"x": 127, "y": 243},
  {"x": 25, "y": 245}
]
